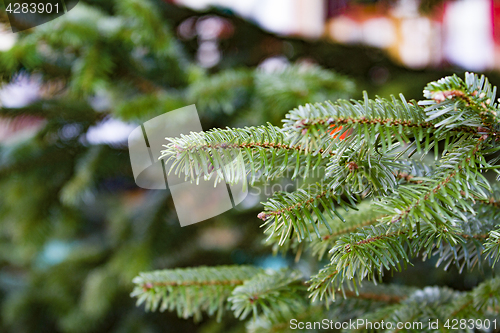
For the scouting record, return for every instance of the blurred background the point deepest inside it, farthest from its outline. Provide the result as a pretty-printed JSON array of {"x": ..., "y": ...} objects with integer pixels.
[{"x": 74, "y": 227}]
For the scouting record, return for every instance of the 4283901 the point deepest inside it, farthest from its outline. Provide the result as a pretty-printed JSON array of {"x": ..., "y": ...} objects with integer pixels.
[
  {"x": 32, "y": 8},
  {"x": 455, "y": 324}
]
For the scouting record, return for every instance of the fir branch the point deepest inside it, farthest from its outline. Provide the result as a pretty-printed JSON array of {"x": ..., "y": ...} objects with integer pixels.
[
  {"x": 288, "y": 213},
  {"x": 358, "y": 172},
  {"x": 190, "y": 291},
  {"x": 486, "y": 296},
  {"x": 364, "y": 215},
  {"x": 369, "y": 299},
  {"x": 354, "y": 118},
  {"x": 437, "y": 197},
  {"x": 265, "y": 91},
  {"x": 416, "y": 306},
  {"x": 299, "y": 82},
  {"x": 362, "y": 171},
  {"x": 275, "y": 293},
  {"x": 264, "y": 150},
  {"x": 356, "y": 257},
  {"x": 321, "y": 247},
  {"x": 355, "y": 220},
  {"x": 475, "y": 94},
  {"x": 482, "y": 302},
  {"x": 442, "y": 304},
  {"x": 365, "y": 254},
  {"x": 492, "y": 245},
  {"x": 282, "y": 90},
  {"x": 380, "y": 123},
  {"x": 330, "y": 123}
]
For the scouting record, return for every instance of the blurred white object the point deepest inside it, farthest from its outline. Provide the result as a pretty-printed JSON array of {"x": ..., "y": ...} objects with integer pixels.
[
  {"x": 274, "y": 64},
  {"x": 109, "y": 131},
  {"x": 379, "y": 32},
  {"x": 208, "y": 54},
  {"x": 242, "y": 7},
  {"x": 345, "y": 30},
  {"x": 21, "y": 91},
  {"x": 291, "y": 17},
  {"x": 310, "y": 17},
  {"x": 416, "y": 43},
  {"x": 276, "y": 15},
  {"x": 406, "y": 8},
  {"x": 209, "y": 27},
  {"x": 468, "y": 38},
  {"x": 7, "y": 38}
]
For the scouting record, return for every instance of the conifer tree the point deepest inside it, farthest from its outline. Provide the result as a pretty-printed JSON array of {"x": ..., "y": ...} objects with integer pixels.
[{"x": 400, "y": 179}]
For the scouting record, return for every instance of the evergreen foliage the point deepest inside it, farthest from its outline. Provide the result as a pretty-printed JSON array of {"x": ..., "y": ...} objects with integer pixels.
[
  {"x": 75, "y": 229},
  {"x": 399, "y": 180},
  {"x": 111, "y": 61}
]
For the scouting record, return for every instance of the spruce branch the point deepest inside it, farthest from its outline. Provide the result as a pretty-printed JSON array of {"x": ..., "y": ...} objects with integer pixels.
[
  {"x": 440, "y": 198},
  {"x": 300, "y": 81},
  {"x": 455, "y": 102},
  {"x": 370, "y": 298},
  {"x": 368, "y": 252},
  {"x": 190, "y": 291},
  {"x": 378, "y": 122},
  {"x": 481, "y": 302},
  {"x": 487, "y": 296},
  {"x": 364, "y": 215},
  {"x": 492, "y": 245},
  {"x": 288, "y": 213},
  {"x": 277, "y": 294},
  {"x": 443, "y": 304},
  {"x": 355, "y": 118},
  {"x": 353, "y": 219},
  {"x": 406, "y": 305},
  {"x": 265, "y": 154},
  {"x": 362, "y": 171}
]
